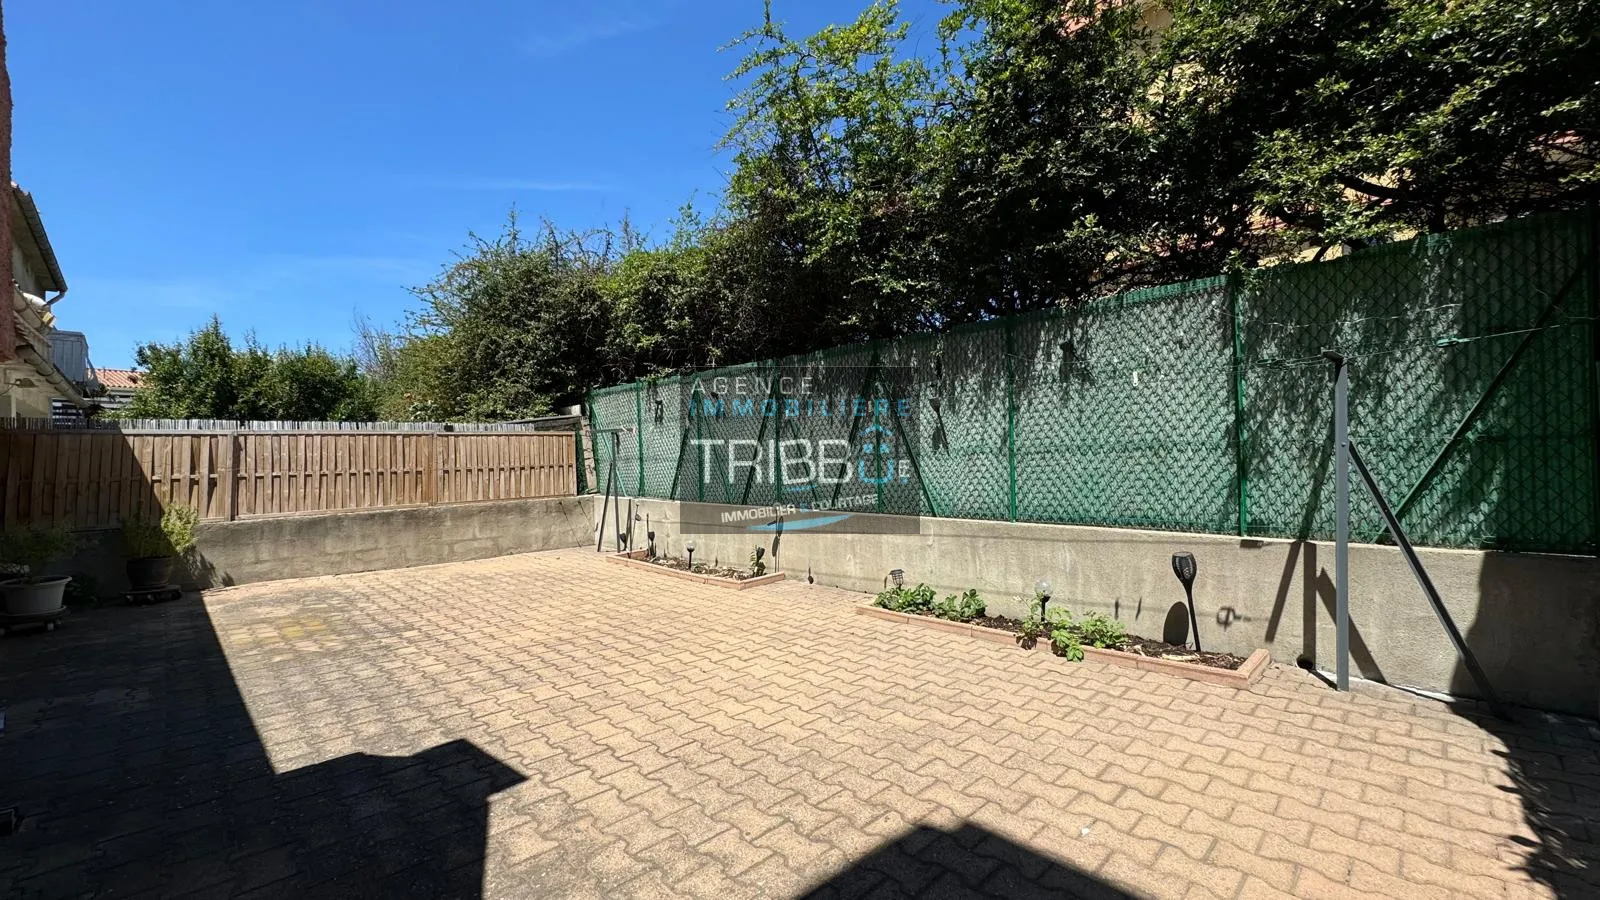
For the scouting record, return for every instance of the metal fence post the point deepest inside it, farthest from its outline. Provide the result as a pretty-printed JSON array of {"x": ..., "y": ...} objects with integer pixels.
[
  {"x": 1241, "y": 458},
  {"x": 1341, "y": 548},
  {"x": 638, "y": 432},
  {"x": 1594, "y": 368},
  {"x": 1011, "y": 420}
]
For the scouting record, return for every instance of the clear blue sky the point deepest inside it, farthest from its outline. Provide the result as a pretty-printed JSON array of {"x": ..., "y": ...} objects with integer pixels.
[{"x": 290, "y": 164}]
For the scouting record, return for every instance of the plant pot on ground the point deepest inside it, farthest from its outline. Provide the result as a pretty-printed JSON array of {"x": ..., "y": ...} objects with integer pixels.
[
  {"x": 23, "y": 555},
  {"x": 154, "y": 547}
]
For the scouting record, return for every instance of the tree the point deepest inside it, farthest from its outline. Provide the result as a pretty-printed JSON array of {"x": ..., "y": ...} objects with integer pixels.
[
  {"x": 514, "y": 327},
  {"x": 1051, "y": 152},
  {"x": 204, "y": 377}
]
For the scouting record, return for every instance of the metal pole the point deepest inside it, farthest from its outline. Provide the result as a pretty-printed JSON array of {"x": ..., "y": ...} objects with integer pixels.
[
  {"x": 611, "y": 477},
  {"x": 616, "y": 508},
  {"x": 1432, "y": 593},
  {"x": 1341, "y": 528}
]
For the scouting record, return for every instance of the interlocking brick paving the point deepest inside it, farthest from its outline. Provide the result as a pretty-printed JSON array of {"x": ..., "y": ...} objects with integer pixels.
[{"x": 550, "y": 725}]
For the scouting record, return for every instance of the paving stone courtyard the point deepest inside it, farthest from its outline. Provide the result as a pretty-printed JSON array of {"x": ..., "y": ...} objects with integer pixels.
[{"x": 549, "y": 725}]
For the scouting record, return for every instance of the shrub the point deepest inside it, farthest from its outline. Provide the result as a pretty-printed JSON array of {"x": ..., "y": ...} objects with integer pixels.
[
  {"x": 24, "y": 551},
  {"x": 964, "y": 608},
  {"x": 907, "y": 600},
  {"x": 172, "y": 536},
  {"x": 1101, "y": 631}
]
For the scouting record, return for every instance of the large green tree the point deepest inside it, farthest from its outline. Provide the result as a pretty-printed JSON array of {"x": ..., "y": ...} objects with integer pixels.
[
  {"x": 1037, "y": 153},
  {"x": 205, "y": 377}
]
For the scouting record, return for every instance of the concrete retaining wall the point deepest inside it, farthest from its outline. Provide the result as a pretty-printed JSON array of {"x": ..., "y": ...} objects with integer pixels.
[
  {"x": 268, "y": 549},
  {"x": 1533, "y": 620}
]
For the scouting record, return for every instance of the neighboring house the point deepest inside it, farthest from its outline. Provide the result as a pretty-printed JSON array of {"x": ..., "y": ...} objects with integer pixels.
[
  {"x": 29, "y": 377},
  {"x": 30, "y": 382},
  {"x": 119, "y": 385}
]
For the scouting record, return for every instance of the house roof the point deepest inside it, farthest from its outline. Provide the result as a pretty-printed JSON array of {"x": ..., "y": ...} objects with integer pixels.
[
  {"x": 41, "y": 241},
  {"x": 113, "y": 379}
]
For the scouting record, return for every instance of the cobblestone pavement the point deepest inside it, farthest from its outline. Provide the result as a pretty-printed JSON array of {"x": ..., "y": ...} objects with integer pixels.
[{"x": 551, "y": 725}]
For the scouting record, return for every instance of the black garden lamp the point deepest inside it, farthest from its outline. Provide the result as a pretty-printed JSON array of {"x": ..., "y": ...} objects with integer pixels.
[
  {"x": 690, "y": 547},
  {"x": 898, "y": 576},
  {"x": 761, "y": 553},
  {"x": 1041, "y": 589},
  {"x": 650, "y": 548},
  {"x": 1184, "y": 567}
]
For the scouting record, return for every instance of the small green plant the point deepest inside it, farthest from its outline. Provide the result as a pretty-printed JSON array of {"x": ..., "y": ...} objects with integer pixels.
[
  {"x": 907, "y": 600},
  {"x": 758, "y": 566},
  {"x": 172, "y": 536},
  {"x": 25, "y": 551},
  {"x": 1031, "y": 630},
  {"x": 964, "y": 608},
  {"x": 1064, "y": 634},
  {"x": 1097, "y": 630}
]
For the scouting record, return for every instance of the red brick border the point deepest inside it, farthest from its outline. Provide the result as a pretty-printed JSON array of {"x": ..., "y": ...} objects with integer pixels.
[
  {"x": 1243, "y": 677},
  {"x": 635, "y": 559}
]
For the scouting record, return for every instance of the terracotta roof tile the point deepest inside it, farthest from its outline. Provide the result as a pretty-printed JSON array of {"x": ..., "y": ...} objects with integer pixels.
[{"x": 127, "y": 379}]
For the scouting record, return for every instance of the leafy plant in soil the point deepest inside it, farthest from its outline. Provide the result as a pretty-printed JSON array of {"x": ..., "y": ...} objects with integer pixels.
[
  {"x": 1064, "y": 637},
  {"x": 1098, "y": 630},
  {"x": 25, "y": 551},
  {"x": 172, "y": 536},
  {"x": 917, "y": 600},
  {"x": 964, "y": 608}
]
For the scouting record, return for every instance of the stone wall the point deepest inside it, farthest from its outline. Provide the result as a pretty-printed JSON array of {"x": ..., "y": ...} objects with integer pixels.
[
  {"x": 1533, "y": 620},
  {"x": 267, "y": 549}
]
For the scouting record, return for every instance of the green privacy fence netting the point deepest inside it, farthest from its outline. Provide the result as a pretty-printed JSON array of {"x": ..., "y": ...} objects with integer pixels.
[{"x": 1206, "y": 406}]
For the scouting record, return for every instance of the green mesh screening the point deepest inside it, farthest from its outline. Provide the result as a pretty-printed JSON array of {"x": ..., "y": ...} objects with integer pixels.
[{"x": 1206, "y": 406}]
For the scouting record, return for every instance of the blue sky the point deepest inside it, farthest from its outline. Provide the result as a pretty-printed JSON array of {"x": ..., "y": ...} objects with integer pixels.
[{"x": 289, "y": 165}]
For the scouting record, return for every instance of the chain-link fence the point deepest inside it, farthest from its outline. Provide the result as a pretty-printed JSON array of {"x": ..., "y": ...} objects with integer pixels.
[{"x": 1207, "y": 406}]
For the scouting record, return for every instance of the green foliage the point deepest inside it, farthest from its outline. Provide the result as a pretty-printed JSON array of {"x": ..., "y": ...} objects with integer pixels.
[
  {"x": 1065, "y": 642},
  {"x": 206, "y": 377},
  {"x": 26, "y": 551},
  {"x": 963, "y": 608},
  {"x": 917, "y": 599},
  {"x": 1069, "y": 635},
  {"x": 1031, "y": 629},
  {"x": 1097, "y": 630},
  {"x": 172, "y": 536},
  {"x": 1042, "y": 153}
]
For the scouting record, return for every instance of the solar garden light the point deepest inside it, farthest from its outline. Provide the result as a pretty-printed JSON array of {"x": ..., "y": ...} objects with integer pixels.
[
  {"x": 898, "y": 576},
  {"x": 1184, "y": 567},
  {"x": 651, "y": 546},
  {"x": 761, "y": 553},
  {"x": 690, "y": 547},
  {"x": 1041, "y": 589}
]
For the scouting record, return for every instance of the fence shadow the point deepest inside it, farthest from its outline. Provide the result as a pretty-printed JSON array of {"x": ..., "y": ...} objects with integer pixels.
[
  {"x": 1553, "y": 760},
  {"x": 134, "y": 765},
  {"x": 968, "y": 861}
]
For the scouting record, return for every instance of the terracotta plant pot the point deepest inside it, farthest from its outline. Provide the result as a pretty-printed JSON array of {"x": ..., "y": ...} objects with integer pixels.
[
  {"x": 149, "y": 573},
  {"x": 34, "y": 597}
]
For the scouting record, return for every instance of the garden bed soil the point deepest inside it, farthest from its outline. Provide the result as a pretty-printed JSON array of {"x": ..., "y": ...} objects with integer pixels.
[
  {"x": 1136, "y": 645},
  {"x": 1141, "y": 653},
  {"x": 723, "y": 576}
]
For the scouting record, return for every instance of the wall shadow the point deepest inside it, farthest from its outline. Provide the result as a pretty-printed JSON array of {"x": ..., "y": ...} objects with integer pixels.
[
  {"x": 968, "y": 861},
  {"x": 1553, "y": 760},
  {"x": 134, "y": 765}
]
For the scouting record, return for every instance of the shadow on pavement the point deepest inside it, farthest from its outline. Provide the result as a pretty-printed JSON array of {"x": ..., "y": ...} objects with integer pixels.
[
  {"x": 134, "y": 765},
  {"x": 970, "y": 861}
]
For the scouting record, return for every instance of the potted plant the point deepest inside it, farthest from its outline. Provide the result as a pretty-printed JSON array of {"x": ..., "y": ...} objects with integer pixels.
[
  {"x": 153, "y": 547},
  {"x": 27, "y": 551}
]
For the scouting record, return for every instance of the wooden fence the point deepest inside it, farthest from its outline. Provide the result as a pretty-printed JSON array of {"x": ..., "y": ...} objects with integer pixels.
[{"x": 99, "y": 479}]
